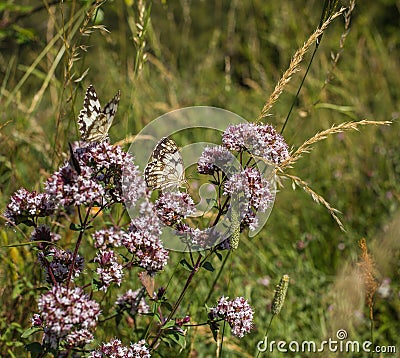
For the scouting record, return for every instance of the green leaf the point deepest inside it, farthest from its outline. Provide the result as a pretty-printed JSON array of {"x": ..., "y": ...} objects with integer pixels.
[
  {"x": 150, "y": 314},
  {"x": 208, "y": 266},
  {"x": 18, "y": 288},
  {"x": 186, "y": 265},
  {"x": 215, "y": 335},
  {"x": 34, "y": 347},
  {"x": 75, "y": 227},
  {"x": 96, "y": 285},
  {"x": 167, "y": 305},
  {"x": 347, "y": 110},
  {"x": 15, "y": 8},
  {"x": 181, "y": 340},
  {"x": 176, "y": 337},
  {"x": 24, "y": 35},
  {"x": 169, "y": 324},
  {"x": 31, "y": 331},
  {"x": 158, "y": 318},
  {"x": 11, "y": 354}
]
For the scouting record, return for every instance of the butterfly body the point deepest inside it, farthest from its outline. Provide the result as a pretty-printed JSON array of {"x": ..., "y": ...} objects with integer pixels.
[
  {"x": 95, "y": 122},
  {"x": 165, "y": 169},
  {"x": 73, "y": 160}
]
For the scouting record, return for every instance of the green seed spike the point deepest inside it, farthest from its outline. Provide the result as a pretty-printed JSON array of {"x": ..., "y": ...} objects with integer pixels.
[
  {"x": 280, "y": 294},
  {"x": 235, "y": 237}
]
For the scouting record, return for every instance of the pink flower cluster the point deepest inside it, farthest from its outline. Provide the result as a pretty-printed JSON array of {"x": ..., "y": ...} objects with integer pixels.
[
  {"x": 57, "y": 264},
  {"x": 132, "y": 301},
  {"x": 237, "y": 313},
  {"x": 171, "y": 207},
  {"x": 109, "y": 269},
  {"x": 142, "y": 240},
  {"x": 115, "y": 349},
  {"x": 259, "y": 139},
  {"x": 213, "y": 159},
  {"x": 106, "y": 174},
  {"x": 67, "y": 315},
  {"x": 25, "y": 207},
  {"x": 253, "y": 193}
]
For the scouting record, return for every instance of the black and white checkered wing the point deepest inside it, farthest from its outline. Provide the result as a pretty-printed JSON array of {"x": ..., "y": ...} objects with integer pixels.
[
  {"x": 94, "y": 122},
  {"x": 165, "y": 169}
]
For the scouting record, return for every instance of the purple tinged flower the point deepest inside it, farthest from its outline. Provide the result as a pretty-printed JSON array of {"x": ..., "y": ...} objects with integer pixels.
[
  {"x": 225, "y": 245},
  {"x": 249, "y": 186},
  {"x": 116, "y": 170},
  {"x": 109, "y": 270},
  {"x": 172, "y": 207},
  {"x": 197, "y": 238},
  {"x": 237, "y": 313},
  {"x": 181, "y": 321},
  {"x": 25, "y": 207},
  {"x": 43, "y": 233},
  {"x": 129, "y": 301},
  {"x": 115, "y": 349},
  {"x": 59, "y": 261},
  {"x": 36, "y": 320},
  {"x": 133, "y": 186},
  {"x": 111, "y": 237},
  {"x": 146, "y": 220},
  {"x": 143, "y": 239},
  {"x": 147, "y": 248},
  {"x": 106, "y": 174},
  {"x": 66, "y": 187},
  {"x": 214, "y": 159},
  {"x": 78, "y": 338},
  {"x": 65, "y": 313},
  {"x": 259, "y": 139}
]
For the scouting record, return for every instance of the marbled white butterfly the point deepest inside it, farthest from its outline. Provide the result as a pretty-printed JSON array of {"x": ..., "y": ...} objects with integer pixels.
[
  {"x": 93, "y": 121},
  {"x": 165, "y": 169}
]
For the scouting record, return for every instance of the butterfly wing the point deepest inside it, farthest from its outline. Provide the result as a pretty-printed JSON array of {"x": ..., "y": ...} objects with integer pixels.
[
  {"x": 148, "y": 282},
  {"x": 94, "y": 122},
  {"x": 89, "y": 113},
  {"x": 111, "y": 108},
  {"x": 165, "y": 169}
]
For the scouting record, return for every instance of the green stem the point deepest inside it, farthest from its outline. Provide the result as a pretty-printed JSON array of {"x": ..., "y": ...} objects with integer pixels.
[
  {"x": 217, "y": 278},
  {"x": 78, "y": 243},
  {"x": 178, "y": 302},
  {"x": 266, "y": 333}
]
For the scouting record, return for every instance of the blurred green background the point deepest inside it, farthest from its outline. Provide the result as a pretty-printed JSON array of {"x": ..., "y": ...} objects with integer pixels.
[{"x": 227, "y": 54}]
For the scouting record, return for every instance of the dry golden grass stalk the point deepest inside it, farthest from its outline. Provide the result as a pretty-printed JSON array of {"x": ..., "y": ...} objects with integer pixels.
[
  {"x": 139, "y": 30},
  {"x": 295, "y": 64},
  {"x": 306, "y": 147},
  {"x": 336, "y": 57},
  {"x": 4, "y": 124},
  {"x": 367, "y": 267},
  {"x": 85, "y": 30},
  {"x": 316, "y": 197}
]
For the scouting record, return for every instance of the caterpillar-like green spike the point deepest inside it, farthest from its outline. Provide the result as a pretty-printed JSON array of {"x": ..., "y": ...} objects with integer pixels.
[
  {"x": 235, "y": 237},
  {"x": 280, "y": 294}
]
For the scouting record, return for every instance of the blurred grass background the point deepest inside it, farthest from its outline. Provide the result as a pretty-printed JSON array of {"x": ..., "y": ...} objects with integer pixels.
[{"x": 227, "y": 54}]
